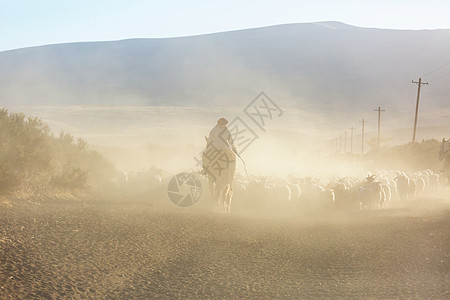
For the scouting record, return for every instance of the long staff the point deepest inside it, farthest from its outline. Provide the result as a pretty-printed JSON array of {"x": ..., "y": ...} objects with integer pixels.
[{"x": 245, "y": 168}]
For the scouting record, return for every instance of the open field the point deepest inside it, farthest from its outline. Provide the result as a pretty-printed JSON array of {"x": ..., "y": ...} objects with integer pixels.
[{"x": 115, "y": 249}]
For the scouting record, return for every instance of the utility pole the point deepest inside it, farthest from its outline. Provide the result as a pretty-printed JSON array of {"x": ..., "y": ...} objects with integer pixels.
[
  {"x": 379, "y": 110},
  {"x": 351, "y": 139},
  {"x": 340, "y": 143},
  {"x": 419, "y": 84},
  {"x": 345, "y": 142},
  {"x": 337, "y": 145},
  {"x": 362, "y": 138}
]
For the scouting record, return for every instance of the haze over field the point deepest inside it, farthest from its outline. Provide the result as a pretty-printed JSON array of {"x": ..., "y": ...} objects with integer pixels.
[
  {"x": 318, "y": 67},
  {"x": 325, "y": 76}
]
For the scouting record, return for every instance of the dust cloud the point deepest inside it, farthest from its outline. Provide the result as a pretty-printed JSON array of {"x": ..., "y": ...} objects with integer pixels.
[{"x": 300, "y": 150}]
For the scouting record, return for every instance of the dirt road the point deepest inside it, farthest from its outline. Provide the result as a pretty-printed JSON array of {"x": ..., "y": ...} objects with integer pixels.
[{"x": 61, "y": 249}]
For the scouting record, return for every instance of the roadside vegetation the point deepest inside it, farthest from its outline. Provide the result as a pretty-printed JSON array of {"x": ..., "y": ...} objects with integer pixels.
[
  {"x": 408, "y": 157},
  {"x": 35, "y": 162}
]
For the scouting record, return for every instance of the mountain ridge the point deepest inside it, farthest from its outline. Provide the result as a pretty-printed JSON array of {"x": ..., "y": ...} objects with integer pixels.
[
  {"x": 304, "y": 65},
  {"x": 329, "y": 24}
]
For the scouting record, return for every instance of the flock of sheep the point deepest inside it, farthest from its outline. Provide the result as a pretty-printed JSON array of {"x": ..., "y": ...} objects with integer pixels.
[
  {"x": 372, "y": 192},
  {"x": 271, "y": 194}
]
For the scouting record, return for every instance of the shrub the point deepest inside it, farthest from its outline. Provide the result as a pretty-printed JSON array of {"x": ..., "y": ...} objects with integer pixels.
[{"x": 32, "y": 160}]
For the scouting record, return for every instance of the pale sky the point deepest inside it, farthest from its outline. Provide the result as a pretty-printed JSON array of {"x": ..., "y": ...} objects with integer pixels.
[{"x": 25, "y": 23}]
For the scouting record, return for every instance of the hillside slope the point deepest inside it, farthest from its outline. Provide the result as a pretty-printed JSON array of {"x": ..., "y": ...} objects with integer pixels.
[{"x": 325, "y": 67}]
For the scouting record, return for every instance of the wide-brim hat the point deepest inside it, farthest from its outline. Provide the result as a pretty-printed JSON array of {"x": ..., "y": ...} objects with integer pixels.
[{"x": 222, "y": 121}]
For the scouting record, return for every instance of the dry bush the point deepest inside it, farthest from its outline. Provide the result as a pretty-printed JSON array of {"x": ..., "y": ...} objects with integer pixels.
[
  {"x": 33, "y": 161},
  {"x": 409, "y": 157}
]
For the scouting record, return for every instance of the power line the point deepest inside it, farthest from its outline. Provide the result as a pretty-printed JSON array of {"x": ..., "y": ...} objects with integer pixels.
[{"x": 437, "y": 69}]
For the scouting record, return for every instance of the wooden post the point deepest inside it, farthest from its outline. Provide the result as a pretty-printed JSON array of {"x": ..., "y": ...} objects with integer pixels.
[
  {"x": 351, "y": 139},
  {"x": 362, "y": 138},
  {"x": 419, "y": 84},
  {"x": 379, "y": 110}
]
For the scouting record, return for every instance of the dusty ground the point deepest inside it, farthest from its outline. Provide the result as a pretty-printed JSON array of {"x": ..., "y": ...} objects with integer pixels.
[{"x": 67, "y": 249}]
